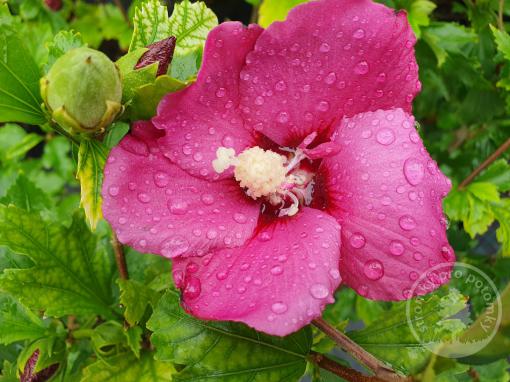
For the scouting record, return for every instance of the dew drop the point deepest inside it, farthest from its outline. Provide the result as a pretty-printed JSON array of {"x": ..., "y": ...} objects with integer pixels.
[
  {"x": 280, "y": 86},
  {"x": 396, "y": 248},
  {"x": 178, "y": 207},
  {"x": 174, "y": 246},
  {"x": 221, "y": 275},
  {"x": 113, "y": 191},
  {"x": 279, "y": 308},
  {"x": 330, "y": 78},
  {"x": 220, "y": 93},
  {"x": 414, "y": 171},
  {"x": 283, "y": 117},
  {"x": 161, "y": 179},
  {"x": 319, "y": 291},
  {"x": 240, "y": 218},
  {"x": 143, "y": 197},
  {"x": 361, "y": 67},
  {"x": 357, "y": 240},
  {"x": 373, "y": 269},
  {"x": 207, "y": 199},
  {"x": 407, "y": 223},
  {"x": 192, "y": 267},
  {"x": 192, "y": 288},
  {"x": 323, "y": 106},
  {"x": 417, "y": 256},
  {"x": 334, "y": 274},
  {"x": 385, "y": 136},
  {"x": 324, "y": 48},
  {"x": 358, "y": 34},
  {"x": 276, "y": 270}
]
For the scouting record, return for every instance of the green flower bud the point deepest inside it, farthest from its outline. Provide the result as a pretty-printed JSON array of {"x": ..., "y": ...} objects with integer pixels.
[{"x": 83, "y": 90}]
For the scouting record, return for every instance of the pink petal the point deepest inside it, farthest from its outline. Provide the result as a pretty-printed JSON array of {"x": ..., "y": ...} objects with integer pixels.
[
  {"x": 205, "y": 116},
  {"x": 386, "y": 192},
  {"x": 155, "y": 207},
  {"x": 277, "y": 283},
  {"x": 329, "y": 58}
]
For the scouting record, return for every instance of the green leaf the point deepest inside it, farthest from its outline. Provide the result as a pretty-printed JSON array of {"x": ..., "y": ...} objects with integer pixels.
[
  {"x": 62, "y": 42},
  {"x": 17, "y": 323},
  {"x": 276, "y": 10},
  {"x": 502, "y": 214},
  {"x": 133, "y": 79},
  {"x": 190, "y": 23},
  {"x": 447, "y": 37},
  {"x": 125, "y": 367},
  {"x": 221, "y": 351},
  {"x": 497, "y": 347},
  {"x": 19, "y": 82},
  {"x": 419, "y": 14},
  {"x": 147, "y": 97},
  {"x": 498, "y": 174},
  {"x": 115, "y": 133},
  {"x": 134, "y": 339},
  {"x": 91, "y": 160},
  {"x": 502, "y": 39},
  {"x": 135, "y": 297},
  {"x": 71, "y": 273},
  {"x": 185, "y": 67},
  {"x": 390, "y": 337},
  {"x": 27, "y": 196},
  {"x": 15, "y": 142}
]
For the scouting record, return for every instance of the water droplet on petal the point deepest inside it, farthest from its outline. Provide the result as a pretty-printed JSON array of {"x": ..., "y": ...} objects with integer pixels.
[
  {"x": 280, "y": 86},
  {"x": 447, "y": 253},
  {"x": 174, "y": 246},
  {"x": 385, "y": 136},
  {"x": 396, "y": 248},
  {"x": 207, "y": 199},
  {"x": 113, "y": 191},
  {"x": 407, "y": 223},
  {"x": 358, "y": 34},
  {"x": 414, "y": 171},
  {"x": 276, "y": 270},
  {"x": 283, "y": 117},
  {"x": 279, "y": 308},
  {"x": 161, "y": 179},
  {"x": 178, "y": 207},
  {"x": 265, "y": 236},
  {"x": 319, "y": 291},
  {"x": 324, "y": 48},
  {"x": 192, "y": 267},
  {"x": 373, "y": 269},
  {"x": 221, "y": 92},
  {"x": 143, "y": 197},
  {"x": 334, "y": 274},
  {"x": 417, "y": 256},
  {"x": 192, "y": 288},
  {"x": 240, "y": 218},
  {"x": 330, "y": 78},
  {"x": 221, "y": 275},
  {"x": 357, "y": 240},
  {"x": 361, "y": 68}
]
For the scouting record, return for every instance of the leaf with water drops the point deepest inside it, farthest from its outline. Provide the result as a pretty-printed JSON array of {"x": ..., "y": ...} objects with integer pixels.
[
  {"x": 222, "y": 351},
  {"x": 125, "y": 367},
  {"x": 190, "y": 23},
  {"x": 91, "y": 159},
  {"x": 71, "y": 274},
  {"x": 391, "y": 339}
]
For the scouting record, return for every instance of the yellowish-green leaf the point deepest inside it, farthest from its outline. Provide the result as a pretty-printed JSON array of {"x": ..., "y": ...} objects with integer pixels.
[
  {"x": 91, "y": 161},
  {"x": 276, "y": 10}
]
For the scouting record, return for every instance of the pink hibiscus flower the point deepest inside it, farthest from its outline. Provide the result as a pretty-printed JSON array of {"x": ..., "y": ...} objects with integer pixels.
[{"x": 291, "y": 165}]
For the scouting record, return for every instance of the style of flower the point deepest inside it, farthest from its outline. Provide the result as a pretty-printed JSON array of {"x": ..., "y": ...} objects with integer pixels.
[{"x": 290, "y": 166}]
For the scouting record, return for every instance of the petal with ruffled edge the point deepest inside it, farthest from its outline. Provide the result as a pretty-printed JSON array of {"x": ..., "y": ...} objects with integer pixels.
[
  {"x": 386, "y": 192},
  {"x": 205, "y": 116},
  {"x": 155, "y": 207},
  {"x": 277, "y": 283},
  {"x": 329, "y": 59}
]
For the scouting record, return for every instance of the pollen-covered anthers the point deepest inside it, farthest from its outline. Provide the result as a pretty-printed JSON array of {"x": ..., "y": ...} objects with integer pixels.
[{"x": 267, "y": 174}]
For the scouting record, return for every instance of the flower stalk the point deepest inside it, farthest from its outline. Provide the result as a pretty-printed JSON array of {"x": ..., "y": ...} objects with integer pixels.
[
  {"x": 381, "y": 371},
  {"x": 344, "y": 372},
  {"x": 120, "y": 257},
  {"x": 495, "y": 155}
]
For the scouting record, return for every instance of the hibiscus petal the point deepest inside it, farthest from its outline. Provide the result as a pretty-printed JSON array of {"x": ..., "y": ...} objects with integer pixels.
[
  {"x": 277, "y": 283},
  {"x": 155, "y": 207},
  {"x": 304, "y": 75},
  {"x": 205, "y": 116},
  {"x": 386, "y": 192}
]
